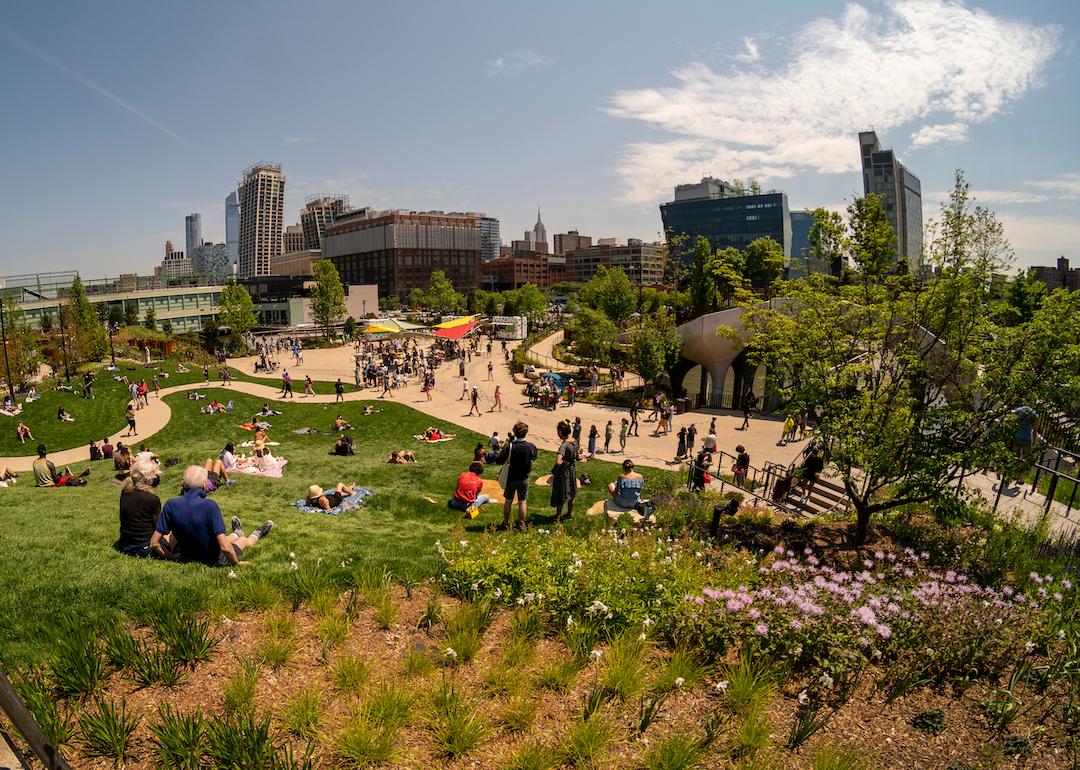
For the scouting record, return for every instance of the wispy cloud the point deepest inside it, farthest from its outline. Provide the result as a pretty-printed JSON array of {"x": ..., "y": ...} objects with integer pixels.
[
  {"x": 937, "y": 66},
  {"x": 291, "y": 140},
  {"x": 1062, "y": 188},
  {"x": 513, "y": 62},
  {"x": 62, "y": 68}
]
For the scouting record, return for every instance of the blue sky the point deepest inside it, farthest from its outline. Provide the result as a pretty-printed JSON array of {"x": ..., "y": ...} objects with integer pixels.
[{"x": 122, "y": 117}]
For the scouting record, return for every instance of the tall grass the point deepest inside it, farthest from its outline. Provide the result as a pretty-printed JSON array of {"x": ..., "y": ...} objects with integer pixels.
[
  {"x": 106, "y": 729},
  {"x": 179, "y": 740},
  {"x": 457, "y": 725}
]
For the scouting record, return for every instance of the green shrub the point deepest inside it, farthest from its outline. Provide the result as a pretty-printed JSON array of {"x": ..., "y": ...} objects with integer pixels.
[
  {"x": 587, "y": 742},
  {"x": 558, "y": 676},
  {"x": 622, "y": 667},
  {"x": 389, "y": 705},
  {"x": 682, "y": 668},
  {"x": 78, "y": 666},
  {"x": 240, "y": 689},
  {"x": 456, "y": 725},
  {"x": 37, "y": 696},
  {"x": 240, "y": 740},
  {"x": 750, "y": 683},
  {"x": 520, "y": 713},
  {"x": 350, "y": 673},
  {"x": 107, "y": 729},
  {"x": 675, "y": 751},
  {"x": 187, "y": 639},
  {"x": 752, "y": 734},
  {"x": 833, "y": 758},
  {"x": 151, "y": 665},
  {"x": 179, "y": 740},
  {"x": 364, "y": 744},
  {"x": 534, "y": 756},
  {"x": 303, "y": 712}
]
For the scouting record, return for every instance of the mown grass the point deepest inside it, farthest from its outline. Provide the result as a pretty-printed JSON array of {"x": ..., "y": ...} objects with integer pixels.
[{"x": 55, "y": 544}]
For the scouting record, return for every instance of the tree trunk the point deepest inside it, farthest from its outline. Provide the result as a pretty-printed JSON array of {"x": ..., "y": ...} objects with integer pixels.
[{"x": 862, "y": 522}]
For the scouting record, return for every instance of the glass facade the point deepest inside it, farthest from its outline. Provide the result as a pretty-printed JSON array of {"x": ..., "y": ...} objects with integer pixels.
[
  {"x": 901, "y": 190},
  {"x": 733, "y": 220},
  {"x": 232, "y": 228}
]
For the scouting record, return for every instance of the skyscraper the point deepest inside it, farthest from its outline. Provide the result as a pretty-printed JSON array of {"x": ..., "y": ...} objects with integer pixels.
[
  {"x": 262, "y": 203},
  {"x": 211, "y": 260},
  {"x": 193, "y": 232},
  {"x": 884, "y": 175},
  {"x": 293, "y": 239},
  {"x": 538, "y": 235},
  {"x": 490, "y": 237},
  {"x": 232, "y": 228},
  {"x": 318, "y": 212}
]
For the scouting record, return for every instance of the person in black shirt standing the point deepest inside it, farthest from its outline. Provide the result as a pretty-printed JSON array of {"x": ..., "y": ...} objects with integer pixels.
[
  {"x": 139, "y": 510},
  {"x": 519, "y": 455}
]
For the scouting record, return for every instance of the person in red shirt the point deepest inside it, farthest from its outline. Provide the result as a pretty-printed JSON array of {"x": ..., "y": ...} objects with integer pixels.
[{"x": 468, "y": 496}]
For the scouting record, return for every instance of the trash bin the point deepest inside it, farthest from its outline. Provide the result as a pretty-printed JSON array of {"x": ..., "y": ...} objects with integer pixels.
[{"x": 681, "y": 405}]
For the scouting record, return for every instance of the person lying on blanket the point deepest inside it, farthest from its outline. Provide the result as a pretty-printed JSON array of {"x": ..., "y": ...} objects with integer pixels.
[
  {"x": 266, "y": 411},
  {"x": 214, "y": 407},
  {"x": 403, "y": 457},
  {"x": 327, "y": 500}
]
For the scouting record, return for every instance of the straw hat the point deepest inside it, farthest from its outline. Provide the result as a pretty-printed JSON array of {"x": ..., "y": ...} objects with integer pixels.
[
  {"x": 259, "y": 445},
  {"x": 314, "y": 491}
]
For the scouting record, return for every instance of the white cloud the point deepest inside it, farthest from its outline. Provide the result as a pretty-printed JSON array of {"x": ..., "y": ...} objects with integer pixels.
[
  {"x": 750, "y": 52},
  {"x": 1064, "y": 187},
  {"x": 1035, "y": 238},
  {"x": 936, "y": 65},
  {"x": 513, "y": 62}
]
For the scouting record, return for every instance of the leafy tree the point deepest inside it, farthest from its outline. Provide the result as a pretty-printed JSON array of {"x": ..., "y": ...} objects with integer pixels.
[
  {"x": 327, "y": 296},
  {"x": 489, "y": 302},
  {"x": 727, "y": 271},
  {"x": 131, "y": 314},
  {"x": 116, "y": 315},
  {"x": 166, "y": 326},
  {"x": 441, "y": 294},
  {"x": 655, "y": 346},
  {"x": 755, "y": 187},
  {"x": 45, "y": 322},
  {"x": 150, "y": 319},
  {"x": 702, "y": 287},
  {"x": 235, "y": 308},
  {"x": 417, "y": 298},
  {"x": 763, "y": 262},
  {"x": 872, "y": 245},
  {"x": 828, "y": 242},
  {"x": 528, "y": 301},
  {"x": 1023, "y": 296},
  {"x": 914, "y": 384},
  {"x": 89, "y": 340},
  {"x": 23, "y": 356},
  {"x": 594, "y": 335},
  {"x": 610, "y": 292},
  {"x": 350, "y": 327}
]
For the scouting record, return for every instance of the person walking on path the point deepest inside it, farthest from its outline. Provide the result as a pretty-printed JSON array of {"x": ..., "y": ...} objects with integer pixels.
[
  {"x": 691, "y": 439},
  {"x": 206, "y": 375},
  {"x": 339, "y": 391},
  {"x": 748, "y": 402},
  {"x": 129, "y": 415},
  {"x": 634, "y": 418},
  {"x": 286, "y": 384},
  {"x": 386, "y": 389},
  {"x": 464, "y": 389},
  {"x": 609, "y": 433},
  {"x": 624, "y": 431},
  {"x": 564, "y": 474},
  {"x": 308, "y": 389},
  {"x": 491, "y": 371},
  {"x": 712, "y": 426},
  {"x": 518, "y": 455},
  {"x": 576, "y": 431},
  {"x": 157, "y": 386},
  {"x": 474, "y": 402},
  {"x": 593, "y": 435},
  {"x": 497, "y": 399},
  {"x": 426, "y": 389},
  {"x": 461, "y": 367},
  {"x": 680, "y": 453}
]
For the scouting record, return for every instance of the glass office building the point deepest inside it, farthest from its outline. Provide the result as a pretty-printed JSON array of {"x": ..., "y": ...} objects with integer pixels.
[{"x": 884, "y": 175}]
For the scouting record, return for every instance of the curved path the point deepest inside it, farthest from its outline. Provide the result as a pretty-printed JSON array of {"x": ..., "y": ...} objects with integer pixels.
[{"x": 446, "y": 407}]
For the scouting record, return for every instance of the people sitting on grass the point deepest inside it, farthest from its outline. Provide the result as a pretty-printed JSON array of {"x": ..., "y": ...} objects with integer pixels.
[
  {"x": 7, "y": 476},
  {"x": 46, "y": 475},
  {"x": 63, "y": 415},
  {"x": 214, "y": 407},
  {"x": 468, "y": 496},
  {"x": 197, "y": 528},
  {"x": 401, "y": 457},
  {"x": 341, "y": 424},
  {"x": 139, "y": 511},
  {"x": 31, "y": 395},
  {"x": 195, "y": 395},
  {"x": 343, "y": 447},
  {"x": 106, "y": 449},
  {"x": 369, "y": 410},
  {"x": 228, "y": 457},
  {"x": 216, "y": 475},
  {"x": 122, "y": 461},
  {"x": 266, "y": 411},
  {"x": 10, "y": 407},
  {"x": 318, "y": 498},
  {"x": 95, "y": 452},
  {"x": 625, "y": 491},
  {"x": 23, "y": 432},
  {"x": 479, "y": 453}
]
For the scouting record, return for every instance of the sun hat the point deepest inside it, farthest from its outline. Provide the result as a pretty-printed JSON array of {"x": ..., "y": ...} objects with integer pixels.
[{"x": 314, "y": 491}]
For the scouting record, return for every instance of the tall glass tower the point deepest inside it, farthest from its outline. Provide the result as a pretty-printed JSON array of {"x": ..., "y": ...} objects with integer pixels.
[
  {"x": 193, "y": 233},
  {"x": 232, "y": 229}
]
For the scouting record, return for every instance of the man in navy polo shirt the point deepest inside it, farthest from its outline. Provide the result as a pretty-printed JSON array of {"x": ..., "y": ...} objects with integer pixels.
[{"x": 198, "y": 529}]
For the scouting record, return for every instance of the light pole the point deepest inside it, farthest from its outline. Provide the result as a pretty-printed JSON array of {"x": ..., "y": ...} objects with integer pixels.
[
  {"x": 7, "y": 365},
  {"x": 112, "y": 349}
]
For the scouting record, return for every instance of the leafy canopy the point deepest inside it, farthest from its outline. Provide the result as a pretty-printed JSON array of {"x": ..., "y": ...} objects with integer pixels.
[{"x": 327, "y": 296}]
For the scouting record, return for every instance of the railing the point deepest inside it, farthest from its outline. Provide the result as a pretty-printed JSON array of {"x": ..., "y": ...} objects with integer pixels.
[
  {"x": 28, "y": 727},
  {"x": 1055, "y": 474}
]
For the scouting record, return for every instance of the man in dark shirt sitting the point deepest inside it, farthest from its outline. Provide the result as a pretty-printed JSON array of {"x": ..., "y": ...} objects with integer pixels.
[
  {"x": 197, "y": 529},
  {"x": 519, "y": 455},
  {"x": 139, "y": 511}
]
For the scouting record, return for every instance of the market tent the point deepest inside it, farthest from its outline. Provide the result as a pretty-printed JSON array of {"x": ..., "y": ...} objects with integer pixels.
[
  {"x": 380, "y": 329},
  {"x": 468, "y": 319},
  {"x": 455, "y": 332}
]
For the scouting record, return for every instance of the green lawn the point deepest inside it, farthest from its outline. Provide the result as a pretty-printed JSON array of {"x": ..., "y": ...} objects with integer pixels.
[{"x": 55, "y": 544}]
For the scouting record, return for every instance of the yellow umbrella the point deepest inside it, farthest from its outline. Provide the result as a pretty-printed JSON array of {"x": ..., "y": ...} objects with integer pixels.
[{"x": 456, "y": 322}]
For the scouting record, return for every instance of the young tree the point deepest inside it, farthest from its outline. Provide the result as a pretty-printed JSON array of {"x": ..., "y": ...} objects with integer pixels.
[
  {"x": 350, "y": 327},
  {"x": 23, "y": 356},
  {"x": 702, "y": 285},
  {"x": 89, "y": 341},
  {"x": 1022, "y": 297},
  {"x": 593, "y": 334},
  {"x": 610, "y": 292},
  {"x": 211, "y": 333},
  {"x": 872, "y": 244},
  {"x": 528, "y": 301},
  {"x": 441, "y": 294},
  {"x": 764, "y": 263},
  {"x": 327, "y": 296},
  {"x": 45, "y": 322},
  {"x": 828, "y": 242},
  {"x": 916, "y": 384},
  {"x": 166, "y": 326},
  {"x": 417, "y": 298},
  {"x": 727, "y": 270},
  {"x": 235, "y": 308},
  {"x": 116, "y": 315},
  {"x": 131, "y": 314},
  {"x": 655, "y": 347},
  {"x": 150, "y": 319}
]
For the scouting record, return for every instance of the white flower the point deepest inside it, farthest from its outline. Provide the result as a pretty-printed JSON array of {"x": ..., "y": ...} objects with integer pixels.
[
  {"x": 826, "y": 681},
  {"x": 475, "y": 587},
  {"x": 520, "y": 601},
  {"x": 569, "y": 622},
  {"x": 597, "y": 606},
  {"x": 498, "y": 593},
  {"x": 634, "y": 555},
  {"x": 595, "y": 654},
  {"x": 679, "y": 681},
  {"x": 647, "y": 621},
  {"x": 721, "y": 686},
  {"x": 292, "y": 556},
  {"x": 804, "y": 699},
  {"x": 292, "y": 566},
  {"x": 463, "y": 543},
  {"x": 450, "y": 653},
  {"x": 231, "y": 575},
  {"x": 641, "y": 637},
  {"x": 1029, "y": 646}
]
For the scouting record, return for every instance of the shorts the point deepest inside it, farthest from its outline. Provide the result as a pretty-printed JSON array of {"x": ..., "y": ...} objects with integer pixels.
[
  {"x": 520, "y": 487},
  {"x": 131, "y": 423},
  {"x": 223, "y": 560},
  {"x": 213, "y": 481}
]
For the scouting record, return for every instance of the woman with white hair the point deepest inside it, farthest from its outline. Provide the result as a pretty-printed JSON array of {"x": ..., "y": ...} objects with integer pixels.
[{"x": 139, "y": 509}]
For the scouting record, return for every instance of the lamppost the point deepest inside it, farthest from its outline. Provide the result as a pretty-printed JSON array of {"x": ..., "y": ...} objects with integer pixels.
[
  {"x": 7, "y": 365},
  {"x": 111, "y": 327}
]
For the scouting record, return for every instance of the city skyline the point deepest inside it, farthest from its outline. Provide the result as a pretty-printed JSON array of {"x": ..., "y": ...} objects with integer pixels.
[{"x": 994, "y": 98}]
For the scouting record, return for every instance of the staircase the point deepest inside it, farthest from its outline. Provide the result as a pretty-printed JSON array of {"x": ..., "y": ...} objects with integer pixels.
[{"x": 826, "y": 496}]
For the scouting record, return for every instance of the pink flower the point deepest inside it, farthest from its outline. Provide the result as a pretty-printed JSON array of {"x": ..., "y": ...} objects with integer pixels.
[{"x": 761, "y": 629}]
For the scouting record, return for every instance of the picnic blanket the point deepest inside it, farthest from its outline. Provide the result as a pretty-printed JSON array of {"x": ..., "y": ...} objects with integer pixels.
[
  {"x": 306, "y": 431},
  {"x": 274, "y": 472},
  {"x": 445, "y": 437},
  {"x": 350, "y": 503},
  {"x": 250, "y": 443},
  {"x": 254, "y": 425}
]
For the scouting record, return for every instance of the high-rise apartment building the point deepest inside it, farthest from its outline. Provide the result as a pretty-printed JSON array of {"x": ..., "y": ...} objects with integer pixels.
[
  {"x": 211, "y": 260},
  {"x": 262, "y": 203},
  {"x": 399, "y": 250},
  {"x": 193, "y": 232},
  {"x": 318, "y": 212},
  {"x": 643, "y": 263},
  {"x": 176, "y": 265},
  {"x": 571, "y": 241},
  {"x": 292, "y": 239},
  {"x": 885, "y": 175},
  {"x": 232, "y": 228},
  {"x": 725, "y": 216},
  {"x": 490, "y": 237}
]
